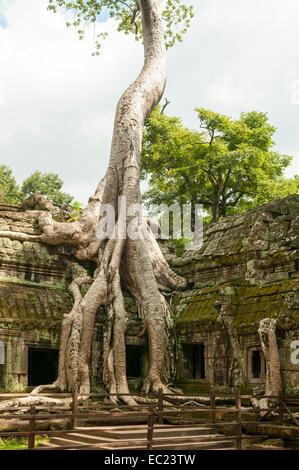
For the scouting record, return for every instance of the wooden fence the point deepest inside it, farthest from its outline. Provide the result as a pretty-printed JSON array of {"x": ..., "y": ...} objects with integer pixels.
[{"x": 155, "y": 413}]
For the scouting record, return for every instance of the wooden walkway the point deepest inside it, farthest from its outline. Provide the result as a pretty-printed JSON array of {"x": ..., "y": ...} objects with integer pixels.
[
  {"x": 118, "y": 428},
  {"x": 166, "y": 437}
]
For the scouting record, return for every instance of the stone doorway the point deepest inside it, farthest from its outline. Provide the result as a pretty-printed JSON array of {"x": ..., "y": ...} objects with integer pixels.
[
  {"x": 256, "y": 365},
  {"x": 42, "y": 366},
  {"x": 134, "y": 360},
  {"x": 194, "y": 359}
]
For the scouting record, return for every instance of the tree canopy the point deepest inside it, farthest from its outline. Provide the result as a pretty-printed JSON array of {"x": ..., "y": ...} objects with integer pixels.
[
  {"x": 176, "y": 15},
  {"x": 46, "y": 184},
  {"x": 227, "y": 165},
  {"x": 9, "y": 190}
]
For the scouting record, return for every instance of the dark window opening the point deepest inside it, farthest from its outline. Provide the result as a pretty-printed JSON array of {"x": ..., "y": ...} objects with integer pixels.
[
  {"x": 194, "y": 355},
  {"x": 134, "y": 360},
  {"x": 42, "y": 366},
  {"x": 256, "y": 364}
]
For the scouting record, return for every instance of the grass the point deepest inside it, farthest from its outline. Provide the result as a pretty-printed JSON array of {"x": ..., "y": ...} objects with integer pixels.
[{"x": 15, "y": 443}]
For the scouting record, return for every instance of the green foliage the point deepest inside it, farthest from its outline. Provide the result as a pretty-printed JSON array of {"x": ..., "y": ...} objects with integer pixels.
[
  {"x": 76, "y": 211},
  {"x": 14, "y": 443},
  {"x": 176, "y": 14},
  {"x": 9, "y": 190},
  {"x": 228, "y": 165},
  {"x": 48, "y": 185},
  {"x": 179, "y": 245}
]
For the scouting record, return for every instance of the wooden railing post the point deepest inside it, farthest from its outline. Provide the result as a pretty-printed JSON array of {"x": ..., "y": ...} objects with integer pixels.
[
  {"x": 213, "y": 405},
  {"x": 238, "y": 419},
  {"x": 74, "y": 420},
  {"x": 150, "y": 428},
  {"x": 280, "y": 408},
  {"x": 31, "y": 436},
  {"x": 160, "y": 405}
]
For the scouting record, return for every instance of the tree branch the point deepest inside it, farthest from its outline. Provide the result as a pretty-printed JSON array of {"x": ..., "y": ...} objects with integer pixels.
[{"x": 165, "y": 105}]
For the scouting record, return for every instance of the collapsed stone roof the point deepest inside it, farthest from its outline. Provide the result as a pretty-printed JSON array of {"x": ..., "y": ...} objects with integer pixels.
[
  {"x": 248, "y": 261},
  {"x": 32, "y": 277},
  {"x": 30, "y": 306}
]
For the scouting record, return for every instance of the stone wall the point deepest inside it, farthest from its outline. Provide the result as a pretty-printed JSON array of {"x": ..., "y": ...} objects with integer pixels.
[
  {"x": 34, "y": 298},
  {"x": 246, "y": 270}
]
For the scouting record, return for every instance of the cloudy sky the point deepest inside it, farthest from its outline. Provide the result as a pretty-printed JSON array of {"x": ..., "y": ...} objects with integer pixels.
[{"x": 57, "y": 102}]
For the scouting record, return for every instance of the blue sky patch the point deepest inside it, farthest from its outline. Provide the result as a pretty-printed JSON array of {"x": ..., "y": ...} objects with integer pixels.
[
  {"x": 3, "y": 22},
  {"x": 104, "y": 16}
]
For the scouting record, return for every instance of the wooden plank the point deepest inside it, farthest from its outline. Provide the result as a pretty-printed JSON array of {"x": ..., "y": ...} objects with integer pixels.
[{"x": 32, "y": 433}]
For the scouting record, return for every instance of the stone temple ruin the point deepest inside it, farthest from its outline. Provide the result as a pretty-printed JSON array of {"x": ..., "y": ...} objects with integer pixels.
[{"x": 246, "y": 270}]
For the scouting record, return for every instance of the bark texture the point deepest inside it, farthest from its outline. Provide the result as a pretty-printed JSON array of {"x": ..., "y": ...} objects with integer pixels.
[
  {"x": 236, "y": 367},
  {"x": 134, "y": 264},
  {"x": 267, "y": 335}
]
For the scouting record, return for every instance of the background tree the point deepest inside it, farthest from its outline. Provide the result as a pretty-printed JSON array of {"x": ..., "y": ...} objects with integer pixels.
[
  {"x": 9, "y": 190},
  {"x": 46, "y": 184},
  {"x": 135, "y": 264},
  {"x": 228, "y": 165}
]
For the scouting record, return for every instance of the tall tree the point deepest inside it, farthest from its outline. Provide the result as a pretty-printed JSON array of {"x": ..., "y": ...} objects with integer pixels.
[
  {"x": 135, "y": 263},
  {"x": 48, "y": 185},
  {"x": 228, "y": 165},
  {"x": 9, "y": 190}
]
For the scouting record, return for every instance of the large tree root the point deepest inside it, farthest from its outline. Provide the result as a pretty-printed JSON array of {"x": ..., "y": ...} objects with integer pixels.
[
  {"x": 267, "y": 334},
  {"x": 268, "y": 406},
  {"x": 33, "y": 400},
  {"x": 135, "y": 263},
  {"x": 77, "y": 326}
]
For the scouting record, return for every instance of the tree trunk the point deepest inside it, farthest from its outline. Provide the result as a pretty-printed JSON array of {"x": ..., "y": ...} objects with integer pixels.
[
  {"x": 216, "y": 203},
  {"x": 215, "y": 210},
  {"x": 270, "y": 349},
  {"x": 223, "y": 208},
  {"x": 273, "y": 375},
  {"x": 137, "y": 264}
]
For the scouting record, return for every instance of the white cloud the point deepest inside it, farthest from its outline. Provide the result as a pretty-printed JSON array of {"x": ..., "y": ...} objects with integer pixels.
[
  {"x": 58, "y": 102},
  {"x": 240, "y": 56},
  {"x": 225, "y": 93}
]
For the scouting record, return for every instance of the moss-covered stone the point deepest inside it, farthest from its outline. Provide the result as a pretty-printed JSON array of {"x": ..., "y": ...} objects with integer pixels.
[{"x": 246, "y": 270}]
